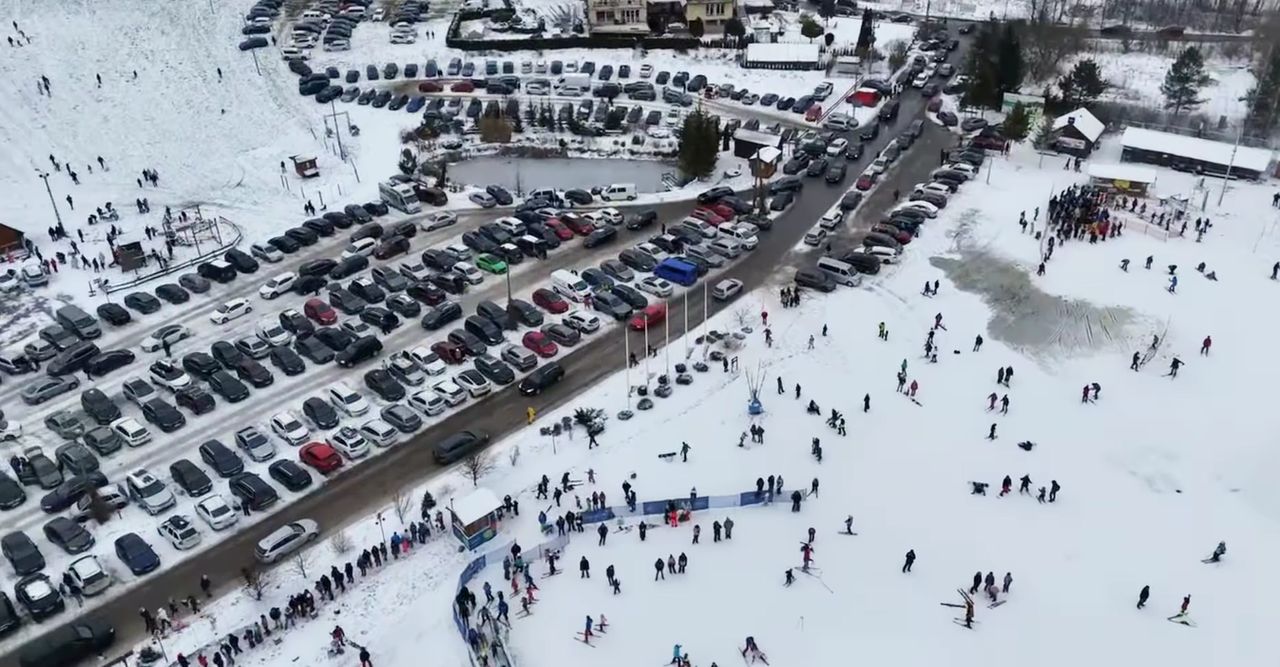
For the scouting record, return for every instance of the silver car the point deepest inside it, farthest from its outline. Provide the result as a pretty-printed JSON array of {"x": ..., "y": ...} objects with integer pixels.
[{"x": 40, "y": 390}]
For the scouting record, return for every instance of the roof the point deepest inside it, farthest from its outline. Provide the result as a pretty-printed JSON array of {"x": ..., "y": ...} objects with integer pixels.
[
  {"x": 782, "y": 53},
  {"x": 768, "y": 154},
  {"x": 1086, "y": 123},
  {"x": 1122, "y": 172},
  {"x": 757, "y": 137},
  {"x": 475, "y": 505},
  {"x": 1205, "y": 150}
]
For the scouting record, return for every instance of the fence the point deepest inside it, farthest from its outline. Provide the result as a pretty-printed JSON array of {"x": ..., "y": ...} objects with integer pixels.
[
  {"x": 230, "y": 241},
  {"x": 557, "y": 544}
]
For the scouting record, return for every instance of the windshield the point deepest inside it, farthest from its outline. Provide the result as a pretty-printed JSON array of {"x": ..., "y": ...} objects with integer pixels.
[{"x": 152, "y": 488}]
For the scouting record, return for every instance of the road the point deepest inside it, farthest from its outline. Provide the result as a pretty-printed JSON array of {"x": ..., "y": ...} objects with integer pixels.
[{"x": 363, "y": 488}]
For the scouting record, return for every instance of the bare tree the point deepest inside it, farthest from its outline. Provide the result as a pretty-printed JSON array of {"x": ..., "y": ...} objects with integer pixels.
[
  {"x": 256, "y": 580},
  {"x": 741, "y": 317},
  {"x": 400, "y": 500},
  {"x": 301, "y": 561},
  {"x": 476, "y": 466},
  {"x": 340, "y": 542}
]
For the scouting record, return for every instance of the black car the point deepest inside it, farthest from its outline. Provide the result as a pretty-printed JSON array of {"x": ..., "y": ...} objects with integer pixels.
[
  {"x": 74, "y": 458},
  {"x": 562, "y": 334},
  {"x": 359, "y": 213},
  {"x": 253, "y": 491},
  {"x": 313, "y": 349},
  {"x": 500, "y": 194},
  {"x": 870, "y": 132},
  {"x": 165, "y": 416},
  {"x": 316, "y": 267},
  {"x": 221, "y": 459},
  {"x": 815, "y": 279},
  {"x": 816, "y": 167},
  {"x": 370, "y": 231},
  {"x": 524, "y": 313},
  {"x": 385, "y": 385},
  {"x": 226, "y": 354},
  {"x": 70, "y": 490},
  {"x": 578, "y": 196},
  {"x": 9, "y": 619},
  {"x": 11, "y": 493},
  {"x": 853, "y": 152},
  {"x": 142, "y": 302},
  {"x": 241, "y": 260},
  {"x": 600, "y": 237},
  {"x": 287, "y": 361},
  {"x": 305, "y": 285},
  {"x": 249, "y": 370},
  {"x": 781, "y": 201},
  {"x": 68, "y": 644},
  {"x": 496, "y": 370},
  {"x": 337, "y": 339},
  {"x": 284, "y": 244},
  {"x": 227, "y": 386},
  {"x": 22, "y": 553},
  {"x": 101, "y": 364},
  {"x": 195, "y": 398},
  {"x": 404, "y": 305},
  {"x": 296, "y": 323},
  {"x": 173, "y": 293},
  {"x": 190, "y": 478},
  {"x": 200, "y": 365},
  {"x": 380, "y": 318},
  {"x": 542, "y": 378},
  {"x": 99, "y": 406},
  {"x": 630, "y": 295},
  {"x": 851, "y": 200},
  {"x": 496, "y": 314},
  {"x": 102, "y": 440},
  {"x": 302, "y": 235},
  {"x": 349, "y": 266},
  {"x": 478, "y": 242},
  {"x": 637, "y": 260},
  {"x": 320, "y": 412},
  {"x": 114, "y": 314},
  {"x": 39, "y": 595},
  {"x": 290, "y": 475},
  {"x": 835, "y": 173},
  {"x": 360, "y": 350},
  {"x": 136, "y": 554},
  {"x": 441, "y": 315},
  {"x": 68, "y": 535}
]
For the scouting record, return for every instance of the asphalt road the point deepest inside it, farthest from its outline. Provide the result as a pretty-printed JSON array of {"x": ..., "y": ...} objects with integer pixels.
[{"x": 364, "y": 488}]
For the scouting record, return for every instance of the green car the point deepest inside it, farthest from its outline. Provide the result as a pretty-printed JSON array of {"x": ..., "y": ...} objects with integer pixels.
[{"x": 490, "y": 263}]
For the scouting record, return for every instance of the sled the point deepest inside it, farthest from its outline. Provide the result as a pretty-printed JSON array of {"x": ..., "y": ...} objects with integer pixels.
[{"x": 668, "y": 456}]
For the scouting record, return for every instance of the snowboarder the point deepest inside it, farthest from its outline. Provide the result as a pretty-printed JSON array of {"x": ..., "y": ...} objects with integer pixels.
[
  {"x": 1186, "y": 602},
  {"x": 1204, "y": 347},
  {"x": 910, "y": 560},
  {"x": 1218, "y": 552},
  {"x": 1143, "y": 595},
  {"x": 1053, "y": 490}
]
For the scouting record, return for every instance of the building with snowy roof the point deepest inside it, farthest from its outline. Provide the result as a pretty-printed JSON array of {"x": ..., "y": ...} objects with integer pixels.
[
  {"x": 782, "y": 55},
  {"x": 1076, "y": 132},
  {"x": 475, "y": 517},
  {"x": 1194, "y": 154},
  {"x": 1129, "y": 179},
  {"x": 747, "y": 142}
]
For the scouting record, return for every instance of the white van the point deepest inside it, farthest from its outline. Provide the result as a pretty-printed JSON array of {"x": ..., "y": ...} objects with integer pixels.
[
  {"x": 569, "y": 286},
  {"x": 277, "y": 285},
  {"x": 619, "y": 191},
  {"x": 728, "y": 247},
  {"x": 842, "y": 272}
]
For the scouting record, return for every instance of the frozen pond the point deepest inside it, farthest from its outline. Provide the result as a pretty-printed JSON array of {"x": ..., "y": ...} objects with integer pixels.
[{"x": 525, "y": 174}]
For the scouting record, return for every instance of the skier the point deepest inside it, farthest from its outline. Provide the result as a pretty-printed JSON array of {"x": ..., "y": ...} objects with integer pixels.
[
  {"x": 1143, "y": 595},
  {"x": 1004, "y": 404},
  {"x": 1124, "y": 265},
  {"x": 910, "y": 560},
  {"x": 797, "y": 390},
  {"x": 914, "y": 385},
  {"x": 586, "y": 633},
  {"x": 657, "y": 567},
  {"x": 1040, "y": 497},
  {"x": 968, "y": 614},
  {"x": 1186, "y": 602},
  {"x": 1005, "y": 486},
  {"x": 1084, "y": 394},
  {"x": 1097, "y": 390},
  {"x": 866, "y": 403},
  {"x": 806, "y": 550},
  {"x": 977, "y": 583},
  {"x": 684, "y": 452},
  {"x": 1053, "y": 490},
  {"x": 992, "y": 434},
  {"x": 1024, "y": 485},
  {"x": 813, "y": 533},
  {"x": 1133, "y": 365},
  {"x": 1204, "y": 347},
  {"x": 991, "y": 401},
  {"x": 1218, "y": 552},
  {"x": 977, "y": 343},
  {"x": 1174, "y": 366},
  {"x": 884, "y": 332},
  {"x": 781, "y": 390},
  {"x": 790, "y": 578},
  {"x": 675, "y": 655}
]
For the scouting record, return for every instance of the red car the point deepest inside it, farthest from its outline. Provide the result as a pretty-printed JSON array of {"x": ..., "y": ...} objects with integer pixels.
[
  {"x": 321, "y": 456},
  {"x": 430, "y": 87},
  {"x": 892, "y": 232},
  {"x": 707, "y": 215},
  {"x": 652, "y": 314},
  {"x": 550, "y": 301},
  {"x": 723, "y": 210},
  {"x": 562, "y": 232},
  {"x": 865, "y": 182},
  {"x": 540, "y": 344},
  {"x": 320, "y": 311},
  {"x": 448, "y": 352},
  {"x": 579, "y": 225},
  {"x": 463, "y": 87}
]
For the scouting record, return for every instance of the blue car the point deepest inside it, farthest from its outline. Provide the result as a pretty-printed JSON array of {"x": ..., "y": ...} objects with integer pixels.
[
  {"x": 135, "y": 553},
  {"x": 416, "y": 104}
]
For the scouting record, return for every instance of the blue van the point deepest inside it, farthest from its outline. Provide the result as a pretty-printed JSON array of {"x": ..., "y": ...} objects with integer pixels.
[{"x": 677, "y": 271}]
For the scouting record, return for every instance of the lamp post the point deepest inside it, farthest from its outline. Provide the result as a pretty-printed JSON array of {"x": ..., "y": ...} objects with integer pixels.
[{"x": 45, "y": 176}]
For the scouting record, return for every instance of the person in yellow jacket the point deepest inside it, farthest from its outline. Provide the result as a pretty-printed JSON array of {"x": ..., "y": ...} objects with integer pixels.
[{"x": 533, "y": 414}]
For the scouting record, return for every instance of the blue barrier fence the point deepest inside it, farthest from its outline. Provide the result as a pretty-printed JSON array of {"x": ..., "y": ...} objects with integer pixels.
[{"x": 557, "y": 544}]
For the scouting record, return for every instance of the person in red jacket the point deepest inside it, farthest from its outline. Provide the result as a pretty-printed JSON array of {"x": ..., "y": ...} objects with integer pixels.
[{"x": 1204, "y": 347}]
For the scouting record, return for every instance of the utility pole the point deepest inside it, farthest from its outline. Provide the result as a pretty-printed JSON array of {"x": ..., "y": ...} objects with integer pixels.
[
  {"x": 1227, "y": 176},
  {"x": 45, "y": 175},
  {"x": 254, "y": 53},
  {"x": 342, "y": 153}
]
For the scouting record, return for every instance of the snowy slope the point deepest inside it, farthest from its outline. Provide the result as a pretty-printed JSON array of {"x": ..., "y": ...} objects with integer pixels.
[{"x": 1151, "y": 480}]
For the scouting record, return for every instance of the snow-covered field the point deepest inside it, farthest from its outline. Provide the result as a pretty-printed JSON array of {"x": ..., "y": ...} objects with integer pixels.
[{"x": 1153, "y": 474}]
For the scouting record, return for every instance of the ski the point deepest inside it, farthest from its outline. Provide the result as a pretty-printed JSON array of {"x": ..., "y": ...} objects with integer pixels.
[
  {"x": 995, "y": 604},
  {"x": 579, "y": 638},
  {"x": 1181, "y": 620},
  {"x": 960, "y": 622},
  {"x": 843, "y": 532},
  {"x": 1210, "y": 560},
  {"x": 952, "y": 604}
]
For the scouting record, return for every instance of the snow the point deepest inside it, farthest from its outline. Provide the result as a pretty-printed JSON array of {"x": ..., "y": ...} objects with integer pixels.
[
  {"x": 1085, "y": 122},
  {"x": 1145, "y": 455},
  {"x": 763, "y": 139},
  {"x": 1121, "y": 172},
  {"x": 475, "y": 505},
  {"x": 1216, "y": 152},
  {"x": 782, "y": 53}
]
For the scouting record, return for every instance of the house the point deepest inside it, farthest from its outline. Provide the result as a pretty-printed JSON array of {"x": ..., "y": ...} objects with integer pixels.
[
  {"x": 1193, "y": 154},
  {"x": 1128, "y": 179},
  {"x": 618, "y": 16},
  {"x": 665, "y": 12},
  {"x": 1076, "y": 133},
  {"x": 12, "y": 242},
  {"x": 712, "y": 13},
  {"x": 475, "y": 517}
]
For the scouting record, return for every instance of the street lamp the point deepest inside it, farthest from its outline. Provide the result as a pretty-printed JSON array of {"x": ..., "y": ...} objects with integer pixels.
[{"x": 45, "y": 176}]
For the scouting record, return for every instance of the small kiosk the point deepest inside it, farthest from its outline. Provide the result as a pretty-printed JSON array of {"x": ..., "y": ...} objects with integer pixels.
[
  {"x": 305, "y": 166},
  {"x": 475, "y": 518}
]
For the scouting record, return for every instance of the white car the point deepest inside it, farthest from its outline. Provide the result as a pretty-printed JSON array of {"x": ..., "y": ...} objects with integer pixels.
[
  {"x": 266, "y": 253},
  {"x": 920, "y": 80},
  {"x": 361, "y": 247},
  {"x": 286, "y": 540},
  {"x": 658, "y": 254},
  {"x": 169, "y": 375},
  {"x": 929, "y": 210},
  {"x": 337, "y": 45},
  {"x": 474, "y": 382},
  {"x": 89, "y": 575},
  {"x": 347, "y": 400},
  {"x": 655, "y": 286},
  {"x": 815, "y": 236},
  {"x": 414, "y": 270},
  {"x": 513, "y": 226},
  {"x": 278, "y": 285},
  {"x": 179, "y": 531},
  {"x": 964, "y": 168},
  {"x": 402, "y": 37},
  {"x": 610, "y": 215},
  {"x": 406, "y": 370},
  {"x": 936, "y": 188},
  {"x": 744, "y": 233},
  {"x": 831, "y": 220},
  {"x": 131, "y": 431},
  {"x": 348, "y": 442},
  {"x": 138, "y": 391},
  {"x": 427, "y": 402},
  {"x": 438, "y": 220},
  {"x": 9, "y": 430},
  {"x": 428, "y": 361},
  {"x": 289, "y": 428},
  {"x": 469, "y": 273},
  {"x": 357, "y": 328},
  {"x": 886, "y": 255},
  {"x": 149, "y": 492},
  {"x": 656, "y": 132},
  {"x": 253, "y": 346},
  {"x": 646, "y": 71},
  {"x": 293, "y": 53},
  {"x": 9, "y": 282},
  {"x": 451, "y": 393},
  {"x": 379, "y": 432},
  {"x": 217, "y": 512},
  {"x": 272, "y": 333},
  {"x": 459, "y": 250},
  {"x": 169, "y": 333},
  {"x": 231, "y": 310},
  {"x": 255, "y": 444},
  {"x": 583, "y": 322},
  {"x": 726, "y": 289},
  {"x": 837, "y": 147}
]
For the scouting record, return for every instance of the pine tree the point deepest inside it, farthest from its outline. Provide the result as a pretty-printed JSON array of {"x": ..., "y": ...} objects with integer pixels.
[
  {"x": 827, "y": 9},
  {"x": 1044, "y": 132},
  {"x": 1182, "y": 84},
  {"x": 697, "y": 29},
  {"x": 1081, "y": 86},
  {"x": 1017, "y": 123},
  {"x": 1009, "y": 66},
  {"x": 734, "y": 28},
  {"x": 699, "y": 141},
  {"x": 810, "y": 28},
  {"x": 408, "y": 162},
  {"x": 866, "y": 33},
  {"x": 1264, "y": 97}
]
